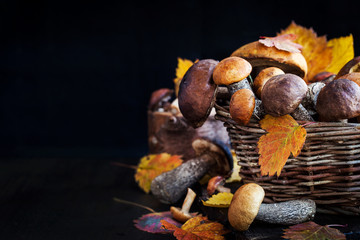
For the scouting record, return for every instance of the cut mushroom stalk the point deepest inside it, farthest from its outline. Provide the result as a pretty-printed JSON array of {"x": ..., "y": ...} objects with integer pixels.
[
  {"x": 183, "y": 214},
  {"x": 213, "y": 158},
  {"x": 246, "y": 206}
]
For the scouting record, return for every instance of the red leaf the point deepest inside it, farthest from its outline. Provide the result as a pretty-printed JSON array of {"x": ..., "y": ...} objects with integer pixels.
[{"x": 282, "y": 42}]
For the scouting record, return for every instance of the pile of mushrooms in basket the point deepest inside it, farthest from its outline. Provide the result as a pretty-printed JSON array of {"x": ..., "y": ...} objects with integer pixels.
[{"x": 265, "y": 78}]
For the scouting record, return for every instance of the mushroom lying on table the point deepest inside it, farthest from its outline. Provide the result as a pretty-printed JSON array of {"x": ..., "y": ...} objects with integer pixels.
[
  {"x": 247, "y": 205},
  {"x": 183, "y": 214}
]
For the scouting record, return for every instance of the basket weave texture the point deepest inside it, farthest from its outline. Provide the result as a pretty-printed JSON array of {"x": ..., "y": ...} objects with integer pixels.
[{"x": 327, "y": 170}]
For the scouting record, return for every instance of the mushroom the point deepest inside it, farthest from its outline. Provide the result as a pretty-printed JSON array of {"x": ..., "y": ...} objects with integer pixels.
[
  {"x": 261, "y": 56},
  {"x": 339, "y": 100},
  {"x": 233, "y": 72},
  {"x": 354, "y": 76},
  {"x": 242, "y": 106},
  {"x": 310, "y": 99},
  {"x": 159, "y": 99},
  {"x": 217, "y": 184},
  {"x": 183, "y": 214},
  {"x": 213, "y": 158},
  {"x": 324, "y": 77},
  {"x": 351, "y": 66},
  {"x": 282, "y": 94},
  {"x": 263, "y": 76},
  {"x": 197, "y": 92},
  {"x": 246, "y": 206}
]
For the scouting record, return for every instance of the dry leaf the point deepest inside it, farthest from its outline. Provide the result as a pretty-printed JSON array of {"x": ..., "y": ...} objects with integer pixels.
[
  {"x": 284, "y": 136},
  {"x": 182, "y": 67},
  {"x": 311, "y": 230},
  {"x": 317, "y": 53},
  {"x": 282, "y": 42},
  {"x": 342, "y": 52},
  {"x": 220, "y": 200},
  {"x": 153, "y": 165},
  {"x": 151, "y": 222},
  {"x": 235, "y": 172},
  {"x": 197, "y": 228}
]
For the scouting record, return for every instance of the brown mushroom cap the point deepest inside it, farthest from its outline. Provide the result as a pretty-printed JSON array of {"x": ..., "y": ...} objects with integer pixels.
[
  {"x": 197, "y": 92},
  {"x": 263, "y": 76},
  {"x": 242, "y": 106},
  {"x": 231, "y": 70},
  {"x": 351, "y": 66},
  {"x": 339, "y": 99},
  {"x": 183, "y": 214},
  {"x": 282, "y": 94},
  {"x": 260, "y": 55},
  {"x": 354, "y": 76},
  {"x": 245, "y": 206}
]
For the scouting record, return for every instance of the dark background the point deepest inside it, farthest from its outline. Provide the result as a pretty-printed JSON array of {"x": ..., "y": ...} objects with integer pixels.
[{"x": 75, "y": 78}]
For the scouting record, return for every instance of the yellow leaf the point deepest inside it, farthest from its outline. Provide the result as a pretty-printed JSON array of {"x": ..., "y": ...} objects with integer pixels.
[
  {"x": 182, "y": 67},
  {"x": 153, "y": 165},
  {"x": 235, "y": 172},
  {"x": 220, "y": 200},
  {"x": 284, "y": 136},
  {"x": 317, "y": 53},
  {"x": 342, "y": 52}
]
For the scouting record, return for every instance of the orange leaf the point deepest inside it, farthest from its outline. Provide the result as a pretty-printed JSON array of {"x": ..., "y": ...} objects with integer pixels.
[
  {"x": 197, "y": 228},
  {"x": 317, "y": 53},
  {"x": 284, "y": 136},
  {"x": 282, "y": 42},
  {"x": 311, "y": 230},
  {"x": 153, "y": 165}
]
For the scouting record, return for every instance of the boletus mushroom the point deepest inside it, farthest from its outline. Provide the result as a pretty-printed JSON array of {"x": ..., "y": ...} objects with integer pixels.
[
  {"x": 242, "y": 106},
  {"x": 197, "y": 92},
  {"x": 339, "y": 100},
  {"x": 282, "y": 94},
  {"x": 263, "y": 76},
  {"x": 246, "y": 206},
  {"x": 183, "y": 214},
  {"x": 351, "y": 66}
]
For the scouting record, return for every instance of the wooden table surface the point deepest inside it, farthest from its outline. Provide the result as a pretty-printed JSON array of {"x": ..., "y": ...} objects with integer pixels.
[{"x": 73, "y": 199}]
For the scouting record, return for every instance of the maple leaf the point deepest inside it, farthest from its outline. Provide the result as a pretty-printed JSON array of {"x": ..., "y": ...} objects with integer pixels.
[
  {"x": 151, "y": 222},
  {"x": 284, "y": 136},
  {"x": 316, "y": 51},
  {"x": 311, "y": 230},
  {"x": 342, "y": 52},
  {"x": 182, "y": 67},
  {"x": 153, "y": 165},
  {"x": 197, "y": 228},
  {"x": 221, "y": 200},
  {"x": 282, "y": 42}
]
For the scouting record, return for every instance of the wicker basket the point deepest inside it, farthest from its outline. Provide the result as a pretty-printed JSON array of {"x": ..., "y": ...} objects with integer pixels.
[{"x": 327, "y": 169}]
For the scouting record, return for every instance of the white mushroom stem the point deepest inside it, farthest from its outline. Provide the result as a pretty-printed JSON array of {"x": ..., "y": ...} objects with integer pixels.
[{"x": 188, "y": 201}]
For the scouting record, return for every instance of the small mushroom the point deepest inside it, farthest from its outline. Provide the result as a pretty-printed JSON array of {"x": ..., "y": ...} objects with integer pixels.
[
  {"x": 261, "y": 56},
  {"x": 159, "y": 98},
  {"x": 263, "y": 76},
  {"x": 217, "y": 184},
  {"x": 352, "y": 66},
  {"x": 233, "y": 72},
  {"x": 324, "y": 77},
  {"x": 242, "y": 106},
  {"x": 339, "y": 100},
  {"x": 246, "y": 206},
  {"x": 183, "y": 214},
  {"x": 282, "y": 94},
  {"x": 213, "y": 158},
  {"x": 197, "y": 92}
]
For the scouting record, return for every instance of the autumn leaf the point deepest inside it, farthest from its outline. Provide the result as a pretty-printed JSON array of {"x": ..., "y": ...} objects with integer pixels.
[
  {"x": 316, "y": 51},
  {"x": 182, "y": 67},
  {"x": 153, "y": 165},
  {"x": 284, "y": 136},
  {"x": 235, "y": 172},
  {"x": 342, "y": 52},
  {"x": 220, "y": 200},
  {"x": 311, "y": 230},
  {"x": 282, "y": 42},
  {"x": 197, "y": 228},
  {"x": 151, "y": 222}
]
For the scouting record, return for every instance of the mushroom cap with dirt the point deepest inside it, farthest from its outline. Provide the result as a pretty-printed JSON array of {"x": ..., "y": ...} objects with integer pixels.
[{"x": 262, "y": 56}]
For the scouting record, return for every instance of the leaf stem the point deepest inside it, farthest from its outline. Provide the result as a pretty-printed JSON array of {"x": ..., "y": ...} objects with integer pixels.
[
  {"x": 124, "y": 165},
  {"x": 132, "y": 203}
]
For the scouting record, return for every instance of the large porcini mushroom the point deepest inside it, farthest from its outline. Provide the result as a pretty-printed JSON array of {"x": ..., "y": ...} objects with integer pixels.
[
  {"x": 233, "y": 72},
  {"x": 212, "y": 158},
  {"x": 242, "y": 106},
  {"x": 197, "y": 92},
  {"x": 339, "y": 100},
  {"x": 183, "y": 214},
  {"x": 246, "y": 206},
  {"x": 263, "y": 76},
  {"x": 261, "y": 56},
  {"x": 282, "y": 94}
]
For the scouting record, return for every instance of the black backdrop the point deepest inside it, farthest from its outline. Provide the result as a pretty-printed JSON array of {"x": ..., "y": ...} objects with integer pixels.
[{"x": 75, "y": 78}]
